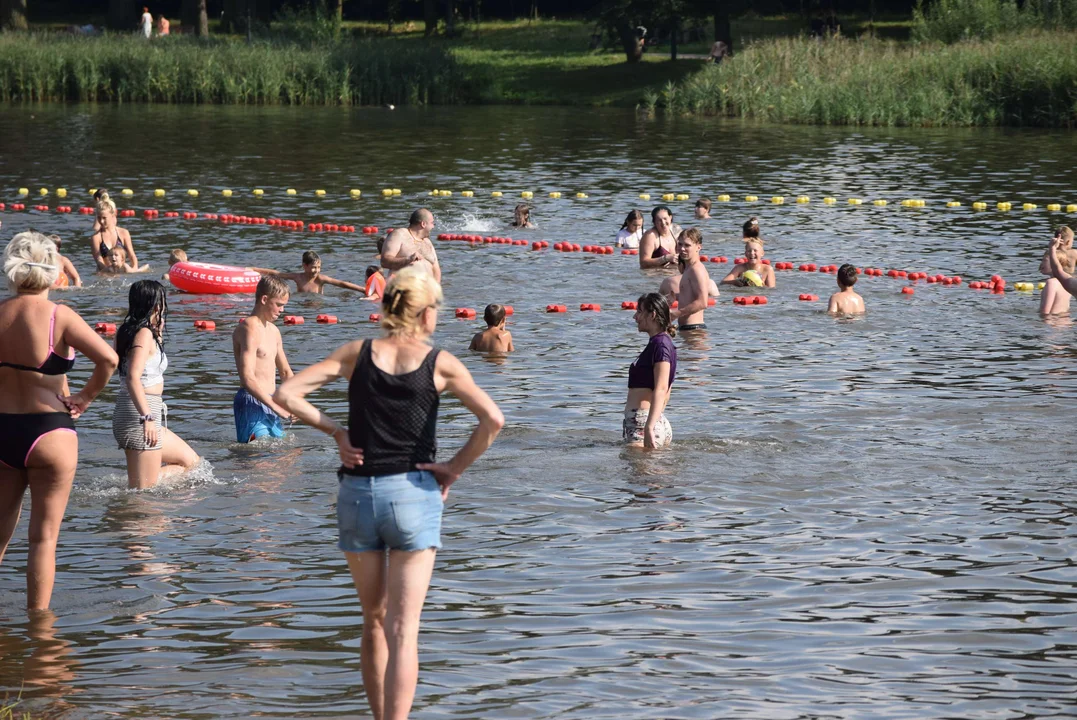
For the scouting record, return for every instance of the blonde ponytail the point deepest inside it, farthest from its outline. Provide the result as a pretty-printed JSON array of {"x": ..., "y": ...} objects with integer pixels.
[{"x": 411, "y": 291}]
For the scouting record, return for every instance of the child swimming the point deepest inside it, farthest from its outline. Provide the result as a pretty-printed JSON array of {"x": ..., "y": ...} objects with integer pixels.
[
  {"x": 846, "y": 301},
  {"x": 495, "y": 338}
]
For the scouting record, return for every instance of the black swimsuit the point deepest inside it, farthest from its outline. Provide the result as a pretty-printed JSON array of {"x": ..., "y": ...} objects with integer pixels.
[{"x": 22, "y": 431}]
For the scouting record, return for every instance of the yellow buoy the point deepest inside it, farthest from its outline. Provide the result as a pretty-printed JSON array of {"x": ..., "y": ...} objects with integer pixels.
[
  {"x": 555, "y": 195},
  {"x": 777, "y": 200},
  {"x": 921, "y": 203},
  {"x": 803, "y": 199},
  {"x": 527, "y": 194},
  {"x": 1041, "y": 285},
  {"x": 856, "y": 201},
  {"x": 226, "y": 193},
  {"x": 953, "y": 204},
  {"x": 158, "y": 193},
  {"x": 1029, "y": 206},
  {"x": 192, "y": 192},
  {"x": 468, "y": 193},
  {"x": 319, "y": 193},
  {"x": 126, "y": 191},
  {"x": 497, "y": 193},
  {"x": 355, "y": 192},
  {"x": 290, "y": 191},
  {"x": 1003, "y": 206},
  {"x": 445, "y": 193},
  {"x": 397, "y": 191},
  {"x": 26, "y": 191},
  {"x": 43, "y": 192},
  {"x": 979, "y": 206},
  {"x": 829, "y": 201},
  {"x": 1054, "y": 207},
  {"x": 1071, "y": 208},
  {"x": 723, "y": 198},
  {"x": 682, "y": 196},
  {"x": 644, "y": 196},
  {"x": 668, "y": 197},
  {"x": 878, "y": 203},
  {"x": 750, "y": 198},
  {"x": 91, "y": 191},
  {"x": 581, "y": 196},
  {"x": 259, "y": 192},
  {"x": 61, "y": 192},
  {"x": 387, "y": 192}
]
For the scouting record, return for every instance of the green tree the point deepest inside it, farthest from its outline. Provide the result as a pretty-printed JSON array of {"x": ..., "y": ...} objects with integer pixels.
[{"x": 195, "y": 15}]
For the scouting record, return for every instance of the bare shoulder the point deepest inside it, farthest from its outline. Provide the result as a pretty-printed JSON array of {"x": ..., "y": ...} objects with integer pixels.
[
  {"x": 245, "y": 329},
  {"x": 448, "y": 364}
]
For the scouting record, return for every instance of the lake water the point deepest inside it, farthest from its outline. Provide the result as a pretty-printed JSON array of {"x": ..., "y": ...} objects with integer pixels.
[{"x": 869, "y": 518}]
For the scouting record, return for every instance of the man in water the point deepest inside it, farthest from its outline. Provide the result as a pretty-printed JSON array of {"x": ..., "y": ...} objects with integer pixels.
[
  {"x": 671, "y": 286},
  {"x": 695, "y": 283},
  {"x": 311, "y": 280},
  {"x": 411, "y": 245},
  {"x": 259, "y": 354}
]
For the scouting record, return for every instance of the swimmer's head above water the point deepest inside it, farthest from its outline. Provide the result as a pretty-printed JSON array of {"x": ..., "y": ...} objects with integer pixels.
[
  {"x": 652, "y": 314},
  {"x": 751, "y": 228},
  {"x": 689, "y": 243},
  {"x": 662, "y": 218},
  {"x": 703, "y": 209},
  {"x": 846, "y": 276},
  {"x": 753, "y": 251},
  {"x": 176, "y": 256},
  {"x": 270, "y": 297},
  {"x": 634, "y": 222},
  {"x": 521, "y": 215},
  {"x": 494, "y": 315},
  {"x": 1065, "y": 234},
  {"x": 420, "y": 223},
  {"x": 312, "y": 263}
]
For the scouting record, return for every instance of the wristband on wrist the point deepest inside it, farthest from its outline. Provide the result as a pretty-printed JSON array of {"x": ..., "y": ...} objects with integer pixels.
[{"x": 145, "y": 419}]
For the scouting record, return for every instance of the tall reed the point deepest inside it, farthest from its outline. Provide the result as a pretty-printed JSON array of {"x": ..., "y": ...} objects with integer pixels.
[
  {"x": 185, "y": 70},
  {"x": 1024, "y": 79}
]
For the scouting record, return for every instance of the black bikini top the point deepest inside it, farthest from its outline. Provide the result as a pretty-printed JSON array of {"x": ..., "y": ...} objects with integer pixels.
[{"x": 54, "y": 364}]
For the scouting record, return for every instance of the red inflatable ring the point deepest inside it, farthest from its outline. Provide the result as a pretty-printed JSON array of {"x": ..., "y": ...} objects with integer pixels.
[{"x": 209, "y": 279}]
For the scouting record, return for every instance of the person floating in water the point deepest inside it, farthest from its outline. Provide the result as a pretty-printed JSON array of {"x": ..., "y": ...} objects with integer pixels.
[
  {"x": 657, "y": 247},
  {"x": 495, "y": 338},
  {"x": 1054, "y": 299},
  {"x": 650, "y": 377},
  {"x": 846, "y": 301},
  {"x": 311, "y": 280},
  {"x": 521, "y": 217},
  {"x": 753, "y": 272},
  {"x": 259, "y": 354},
  {"x": 694, "y": 287}
]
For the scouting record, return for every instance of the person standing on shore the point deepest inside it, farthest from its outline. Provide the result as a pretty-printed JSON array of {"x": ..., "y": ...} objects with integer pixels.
[
  {"x": 259, "y": 353},
  {"x": 147, "y": 23},
  {"x": 40, "y": 447},
  {"x": 391, "y": 490},
  {"x": 411, "y": 245}
]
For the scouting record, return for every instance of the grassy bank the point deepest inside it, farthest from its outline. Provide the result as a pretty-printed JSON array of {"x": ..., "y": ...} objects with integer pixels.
[
  {"x": 183, "y": 70},
  {"x": 1028, "y": 79}
]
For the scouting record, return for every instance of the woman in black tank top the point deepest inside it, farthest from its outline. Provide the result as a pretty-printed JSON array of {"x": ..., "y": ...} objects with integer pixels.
[{"x": 391, "y": 488}]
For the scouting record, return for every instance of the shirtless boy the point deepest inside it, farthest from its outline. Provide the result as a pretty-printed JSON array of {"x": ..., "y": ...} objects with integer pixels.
[
  {"x": 1054, "y": 299},
  {"x": 311, "y": 280},
  {"x": 846, "y": 301},
  {"x": 703, "y": 209},
  {"x": 657, "y": 247},
  {"x": 411, "y": 245},
  {"x": 695, "y": 283},
  {"x": 495, "y": 338},
  {"x": 753, "y": 255},
  {"x": 259, "y": 354},
  {"x": 672, "y": 285}
]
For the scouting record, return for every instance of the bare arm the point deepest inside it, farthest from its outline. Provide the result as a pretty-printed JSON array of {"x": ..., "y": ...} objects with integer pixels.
[
  {"x": 458, "y": 381},
  {"x": 1045, "y": 263},
  {"x": 281, "y": 361},
  {"x": 77, "y": 334},
  {"x": 95, "y": 244},
  {"x": 733, "y": 278},
  {"x": 342, "y": 284},
  {"x": 771, "y": 279},
  {"x": 130, "y": 248},
  {"x": 391, "y": 257},
  {"x": 292, "y": 393},
  {"x": 136, "y": 362},
  {"x": 511, "y": 348},
  {"x": 1067, "y": 280},
  {"x": 69, "y": 267},
  {"x": 832, "y": 306},
  {"x": 246, "y": 362},
  {"x": 658, "y": 401},
  {"x": 647, "y": 246},
  {"x": 266, "y": 271},
  {"x": 699, "y": 303}
]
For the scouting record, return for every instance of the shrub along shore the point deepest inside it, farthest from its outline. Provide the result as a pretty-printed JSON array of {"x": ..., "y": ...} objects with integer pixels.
[
  {"x": 184, "y": 70},
  {"x": 1027, "y": 79}
]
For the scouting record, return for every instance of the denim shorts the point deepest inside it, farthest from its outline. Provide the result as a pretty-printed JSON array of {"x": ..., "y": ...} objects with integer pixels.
[{"x": 399, "y": 512}]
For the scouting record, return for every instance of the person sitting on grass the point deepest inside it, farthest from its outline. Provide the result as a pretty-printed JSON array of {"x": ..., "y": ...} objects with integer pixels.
[
  {"x": 846, "y": 301},
  {"x": 116, "y": 263},
  {"x": 311, "y": 279},
  {"x": 495, "y": 338}
]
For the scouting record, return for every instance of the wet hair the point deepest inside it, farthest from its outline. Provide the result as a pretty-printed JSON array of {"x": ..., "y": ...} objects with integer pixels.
[
  {"x": 704, "y": 203},
  {"x": 176, "y": 256},
  {"x": 656, "y": 304},
  {"x": 411, "y": 291},
  {"x": 522, "y": 208},
  {"x": 372, "y": 270},
  {"x": 847, "y": 275},
  {"x": 494, "y": 314},
  {"x": 31, "y": 262},
  {"x": 105, "y": 203},
  {"x": 660, "y": 208},
  {"x": 310, "y": 257},
  {"x": 694, "y": 235},
  {"x": 56, "y": 239},
  {"x": 418, "y": 216},
  {"x": 751, "y": 227},
  {"x": 270, "y": 286},
  {"x": 634, "y": 215},
  {"x": 144, "y": 300}
]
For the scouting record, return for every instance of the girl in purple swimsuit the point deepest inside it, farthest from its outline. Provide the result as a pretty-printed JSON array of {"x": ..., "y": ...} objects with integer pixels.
[{"x": 650, "y": 377}]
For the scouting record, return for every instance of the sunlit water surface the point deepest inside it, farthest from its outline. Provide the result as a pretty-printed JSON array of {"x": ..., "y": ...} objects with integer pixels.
[{"x": 868, "y": 518}]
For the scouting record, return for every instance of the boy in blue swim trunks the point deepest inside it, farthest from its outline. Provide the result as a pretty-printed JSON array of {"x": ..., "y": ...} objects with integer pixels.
[{"x": 259, "y": 354}]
